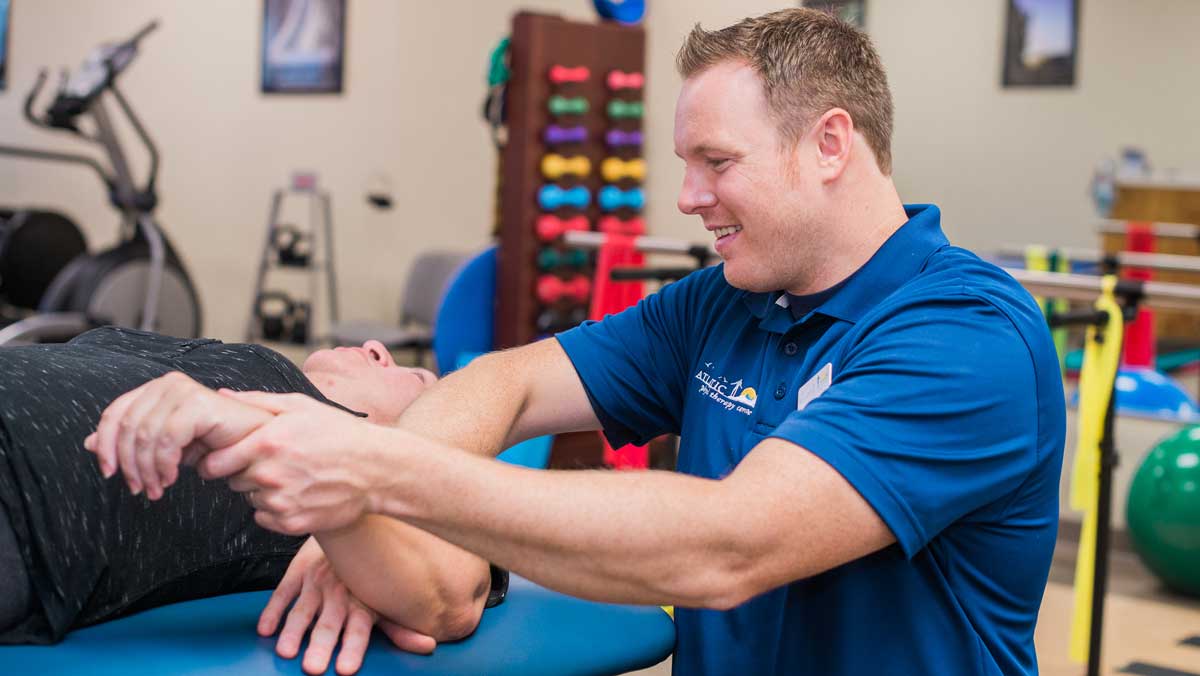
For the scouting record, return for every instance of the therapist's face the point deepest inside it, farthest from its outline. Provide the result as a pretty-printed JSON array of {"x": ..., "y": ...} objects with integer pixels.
[
  {"x": 366, "y": 379},
  {"x": 754, "y": 191}
]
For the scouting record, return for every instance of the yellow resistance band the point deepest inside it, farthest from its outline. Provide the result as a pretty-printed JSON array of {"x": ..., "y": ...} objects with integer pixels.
[{"x": 1101, "y": 357}]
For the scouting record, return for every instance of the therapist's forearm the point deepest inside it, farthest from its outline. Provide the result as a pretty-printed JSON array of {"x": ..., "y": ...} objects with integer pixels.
[
  {"x": 473, "y": 409},
  {"x": 409, "y": 576},
  {"x": 644, "y": 537},
  {"x": 503, "y": 398}
]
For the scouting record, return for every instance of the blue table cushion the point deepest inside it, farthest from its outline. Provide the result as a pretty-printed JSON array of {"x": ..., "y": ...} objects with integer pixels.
[{"x": 535, "y": 631}]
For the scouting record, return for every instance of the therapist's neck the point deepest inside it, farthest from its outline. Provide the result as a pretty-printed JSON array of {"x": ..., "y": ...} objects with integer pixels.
[{"x": 865, "y": 210}]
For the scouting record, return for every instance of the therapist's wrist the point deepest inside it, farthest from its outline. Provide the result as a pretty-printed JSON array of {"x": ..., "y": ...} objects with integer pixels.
[{"x": 389, "y": 469}]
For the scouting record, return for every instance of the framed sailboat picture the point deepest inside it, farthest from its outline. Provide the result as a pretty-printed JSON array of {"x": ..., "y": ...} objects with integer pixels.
[
  {"x": 1041, "y": 39},
  {"x": 303, "y": 46}
]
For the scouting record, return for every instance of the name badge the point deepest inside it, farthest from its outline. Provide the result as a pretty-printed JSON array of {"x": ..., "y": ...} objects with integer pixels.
[{"x": 815, "y": 387}]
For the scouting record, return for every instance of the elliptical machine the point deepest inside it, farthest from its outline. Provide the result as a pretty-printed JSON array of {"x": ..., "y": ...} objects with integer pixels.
[{"x": 140, "y": 282}]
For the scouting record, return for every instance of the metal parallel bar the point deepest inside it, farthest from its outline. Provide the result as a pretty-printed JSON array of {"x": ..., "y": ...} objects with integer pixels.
[
  {"x": 1117, "y": 227},
  {"x": 1159, "y": 295},
  {"x": 653, "y": 274},
  {"x": 1133, "y": 259},
  {"x": 647, "y": 244}
]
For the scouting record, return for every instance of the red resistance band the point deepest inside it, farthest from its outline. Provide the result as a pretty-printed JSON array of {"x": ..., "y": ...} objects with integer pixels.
[
  {"x": 1139, "y": 334},
  {"x": 609, "y": 297}
]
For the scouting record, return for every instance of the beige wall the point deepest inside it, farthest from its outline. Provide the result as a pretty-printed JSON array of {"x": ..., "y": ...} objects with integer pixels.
[{"x": 1005, "y": 165}]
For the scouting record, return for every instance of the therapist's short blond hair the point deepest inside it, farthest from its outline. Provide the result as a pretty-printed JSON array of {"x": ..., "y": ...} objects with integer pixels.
[{"x": 809, "y": 62}]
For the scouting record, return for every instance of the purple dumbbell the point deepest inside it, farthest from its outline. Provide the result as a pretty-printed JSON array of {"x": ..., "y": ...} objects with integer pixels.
[
  {"x": 616, "y": 137},
  {"x": 555, "y": 134}
]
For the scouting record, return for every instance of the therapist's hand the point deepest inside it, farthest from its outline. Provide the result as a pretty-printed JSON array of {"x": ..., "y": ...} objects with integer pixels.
[
  {"x": 318, "y": 593},
  {"x": 308, "y": 469},
  {"x": 149, "y": 431}
]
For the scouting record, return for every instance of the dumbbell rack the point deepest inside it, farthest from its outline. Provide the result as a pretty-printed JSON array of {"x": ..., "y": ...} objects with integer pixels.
[
  {"x": 569, "y": 128},
  {"x": 317, "y": 261},
  {"x": 572, "y": 162}
]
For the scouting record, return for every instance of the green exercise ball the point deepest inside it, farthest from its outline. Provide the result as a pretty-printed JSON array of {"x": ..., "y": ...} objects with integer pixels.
[{"x": 1164, "y": 511}]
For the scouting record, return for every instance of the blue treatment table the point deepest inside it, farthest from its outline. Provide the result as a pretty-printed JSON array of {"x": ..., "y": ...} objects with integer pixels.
[{"x": 535, "y": 631}]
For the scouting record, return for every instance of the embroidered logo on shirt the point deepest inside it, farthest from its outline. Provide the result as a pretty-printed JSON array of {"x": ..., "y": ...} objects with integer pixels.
[{"x": 732, "y": 396}]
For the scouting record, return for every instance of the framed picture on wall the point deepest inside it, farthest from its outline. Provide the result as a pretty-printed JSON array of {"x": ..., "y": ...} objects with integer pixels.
[
  {"x": 851, "y": 11},
  {"x": 3, "y": 44},
  {"x": 303, "y": 46},
  {"x": 1041, "y": 38}
]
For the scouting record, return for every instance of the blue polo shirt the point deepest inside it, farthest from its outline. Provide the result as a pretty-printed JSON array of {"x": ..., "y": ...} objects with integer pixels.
[{"x": 929, "y": 381}]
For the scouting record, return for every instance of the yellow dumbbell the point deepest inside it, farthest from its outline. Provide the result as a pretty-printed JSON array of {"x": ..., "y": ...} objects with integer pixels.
[
  {"x": 614, "y": 169},
  {"x": 555, "y": 165}
]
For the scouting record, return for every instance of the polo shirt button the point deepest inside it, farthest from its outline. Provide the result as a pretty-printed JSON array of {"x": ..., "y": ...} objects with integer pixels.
[
  {"x": 781, "y": 391},
  {"x": 790, "y": 348}
]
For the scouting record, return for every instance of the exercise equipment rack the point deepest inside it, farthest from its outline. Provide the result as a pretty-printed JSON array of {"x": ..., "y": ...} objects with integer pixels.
[
  {"x": 308, "y": 250},
  {"x": 1131, "y": 294}
]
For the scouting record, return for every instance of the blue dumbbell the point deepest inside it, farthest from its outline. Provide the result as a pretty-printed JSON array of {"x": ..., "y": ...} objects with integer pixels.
[
  {"x": 613, "y": 198},
  {"x": 552, "y": 197}
]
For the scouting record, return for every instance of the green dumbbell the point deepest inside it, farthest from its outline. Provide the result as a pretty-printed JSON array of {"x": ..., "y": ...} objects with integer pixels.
[
  {"x": 549, "y": 259},
  {"x": 561, "y": 105},
  {"x": 618, "y": 109}
]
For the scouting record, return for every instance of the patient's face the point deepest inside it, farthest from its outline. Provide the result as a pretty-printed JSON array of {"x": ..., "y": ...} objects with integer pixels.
[{"x": 366, "y": 379}]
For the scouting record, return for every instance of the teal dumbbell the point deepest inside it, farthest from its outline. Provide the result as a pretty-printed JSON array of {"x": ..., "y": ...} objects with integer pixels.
[
  {"x": 549, "y": 259},
  {"x": 561, "y": 105},
  {"x": 618, "y": 109}
]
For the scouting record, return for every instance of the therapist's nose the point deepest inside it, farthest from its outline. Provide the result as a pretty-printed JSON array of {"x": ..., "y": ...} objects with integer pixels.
[{"x": 695, "y": 195}]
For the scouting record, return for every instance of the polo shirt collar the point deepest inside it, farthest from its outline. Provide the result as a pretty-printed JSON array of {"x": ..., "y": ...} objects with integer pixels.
[{"x": 896, "y": 262}]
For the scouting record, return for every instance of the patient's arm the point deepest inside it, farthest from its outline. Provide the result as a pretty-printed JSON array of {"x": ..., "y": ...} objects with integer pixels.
[
  {"x": 147, "y": 432},
  {"x": 319, "y": 595},
  {"x": 440, "y": 593},
  {"x": 410, "y": 577}
]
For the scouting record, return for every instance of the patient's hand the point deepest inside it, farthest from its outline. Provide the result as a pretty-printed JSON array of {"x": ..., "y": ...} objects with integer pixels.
[
  {"x": 149, "y": 431},
  {"x": 310, "y": 580}
]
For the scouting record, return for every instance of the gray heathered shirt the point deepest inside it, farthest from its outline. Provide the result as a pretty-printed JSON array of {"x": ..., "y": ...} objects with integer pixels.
[{"x": 94, "y": 551}]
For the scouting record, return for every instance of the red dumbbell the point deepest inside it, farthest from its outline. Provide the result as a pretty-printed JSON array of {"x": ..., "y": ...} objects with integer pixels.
[
  {"x": 611, "y": 225},
  {"x": 551, "y": 289},
  {"x": 551, "y": 227},
  {"x": 562, "y": 74},
  {"x": 621, "y": 80}
]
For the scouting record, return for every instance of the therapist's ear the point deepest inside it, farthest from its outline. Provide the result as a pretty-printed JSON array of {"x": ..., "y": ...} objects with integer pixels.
[{"x": 834, "y": 134}]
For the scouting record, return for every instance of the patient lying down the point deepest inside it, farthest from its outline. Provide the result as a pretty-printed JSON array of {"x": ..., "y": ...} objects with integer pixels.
[{"x": 77, "y": 548}]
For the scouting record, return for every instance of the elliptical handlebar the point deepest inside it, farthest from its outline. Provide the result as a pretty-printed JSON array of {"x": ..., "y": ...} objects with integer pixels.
[
  {"x": 79, "y": 94},
  {"x": 102, "y": 66},
  {"x": 50, "y": 154},
  {"x": 32, "y": 97}
]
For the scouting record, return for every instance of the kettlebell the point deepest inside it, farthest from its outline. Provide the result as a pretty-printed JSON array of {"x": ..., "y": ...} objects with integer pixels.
[
  {"x": 274, "y": 311},
  {"x": 294, "y": 247}
]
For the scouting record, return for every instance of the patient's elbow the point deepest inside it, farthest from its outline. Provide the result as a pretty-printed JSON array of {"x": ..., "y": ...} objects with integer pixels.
[
  {"x": 457, "y": 622},
  {"x": 460, "y": 609}
]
